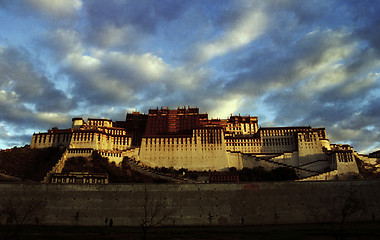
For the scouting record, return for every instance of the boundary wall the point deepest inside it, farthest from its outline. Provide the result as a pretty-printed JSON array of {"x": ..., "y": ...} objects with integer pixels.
[{"x": 197, "y": 204}]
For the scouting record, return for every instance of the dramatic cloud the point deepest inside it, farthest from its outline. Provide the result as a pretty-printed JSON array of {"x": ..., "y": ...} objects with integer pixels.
[
  {"x": 57, "y": 9},
  {"x": 289, "y": 62},
  {"x": 62, "y": 11},
  {"x": 121, "y": 23},
  {"x": 246, "y": 28},
  {"x": 22, "y": 82},
  {"x": 28, "y": 100}
]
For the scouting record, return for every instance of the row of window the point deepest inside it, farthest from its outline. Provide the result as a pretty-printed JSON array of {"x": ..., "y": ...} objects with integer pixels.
[
  {"x": 115, "y": 132},
  {"x": 308, "y": 139},
  {"x": 106, "y": 123},
  {"x": 110, "y": 154},
  {"x": 243, "y": 140},
  {"x": 78, "y": 180},
  {"x": 279, "y": 132},
  {"x": 345, "y": 157},
  {"x": 84, "y": 136},
  {"x": 43, "y": 138},
  {"x": 277, "y": 143},
  {"x": 207, "y": 131},
  {"x": 177, "y": 148},
  {"x": 243, "y": 144},
  {"x": 80, "y": 150},
  {"x": 168, "y": 140}
]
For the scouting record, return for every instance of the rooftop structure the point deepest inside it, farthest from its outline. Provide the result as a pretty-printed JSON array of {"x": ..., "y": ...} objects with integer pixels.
[{"x": 165, "y": 121}]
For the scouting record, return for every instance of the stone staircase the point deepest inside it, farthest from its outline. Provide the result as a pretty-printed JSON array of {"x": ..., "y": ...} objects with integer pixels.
[
  {"x": 57, "y": 167},
  {"x": 155, "y": 174},
  {"x": 368, "y": 167},
  {"x": 369, "y": 162},
  {"x": 331, "y": 175},
  {"x": 301, "y": 172}
]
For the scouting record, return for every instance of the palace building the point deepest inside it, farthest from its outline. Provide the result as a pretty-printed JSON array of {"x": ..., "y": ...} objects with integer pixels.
[{"x": 185, "y": 138}]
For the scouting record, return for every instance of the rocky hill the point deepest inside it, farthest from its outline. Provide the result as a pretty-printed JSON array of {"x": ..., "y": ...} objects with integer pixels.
[{"x": 26, "y": 163}]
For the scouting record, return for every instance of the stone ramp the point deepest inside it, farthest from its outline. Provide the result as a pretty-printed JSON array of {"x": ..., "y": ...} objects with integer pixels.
[
  {"x": 57, "y": 167},
  {"x": 301, "y": 172},
  {"x": 152, "y": 173},
  {"x": 331, "y": 175}
]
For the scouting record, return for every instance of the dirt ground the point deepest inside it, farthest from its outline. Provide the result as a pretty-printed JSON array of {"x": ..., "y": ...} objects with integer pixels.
[{"x": 351, "y": 231}]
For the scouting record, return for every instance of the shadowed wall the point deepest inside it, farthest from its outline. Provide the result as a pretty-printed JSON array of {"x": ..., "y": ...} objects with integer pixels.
[{"x": 199, "y": 204}]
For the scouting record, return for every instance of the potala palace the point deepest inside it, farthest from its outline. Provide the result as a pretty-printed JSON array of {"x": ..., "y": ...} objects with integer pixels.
[{"x": 185, "y": 138}]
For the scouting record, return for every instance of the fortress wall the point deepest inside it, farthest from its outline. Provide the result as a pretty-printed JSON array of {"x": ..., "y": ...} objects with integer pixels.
[
  {"x": 190, "y": 156},
  {"x": 197, "y": 204},
  {"x": 205, "y": 150},
  {"x": 235, "y": 160},
  {"x": 310, "y": 148},
  {"x": 167, "y": 152},
  {"x": 347, "y": 167}
]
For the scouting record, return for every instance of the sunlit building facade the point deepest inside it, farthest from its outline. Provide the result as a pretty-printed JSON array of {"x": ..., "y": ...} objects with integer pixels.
[{"x": 186, "y": 138}]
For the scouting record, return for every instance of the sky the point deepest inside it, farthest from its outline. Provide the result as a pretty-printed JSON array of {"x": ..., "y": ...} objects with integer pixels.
[{"x": 291, "y": 63}]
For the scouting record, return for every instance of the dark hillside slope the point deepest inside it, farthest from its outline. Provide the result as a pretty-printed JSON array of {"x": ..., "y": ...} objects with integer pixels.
[
  {"x": 122, "y": 173},
  {"x": 27, "y": 163}
]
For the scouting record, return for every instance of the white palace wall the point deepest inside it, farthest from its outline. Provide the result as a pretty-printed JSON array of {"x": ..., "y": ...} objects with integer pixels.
[
  {"x": 83, "y": 140},
  {"x": 310, "y": 152},
  {"x": 97, "y": 141},
  {"x": 100, "y": 141},
  {"x": 244, "y": 144},
  {"x": 202, "y": 151},
  {"x": 346, "y": 164},
  {"x": 235, "y": 160},
  {"x": 45, "y": 140}
]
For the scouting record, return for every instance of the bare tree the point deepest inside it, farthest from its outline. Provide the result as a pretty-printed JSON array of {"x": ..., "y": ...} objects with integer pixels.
[
  {"x": 17, "y": 213},
  {"x": 337, "y": 209},
  {"x": 155, "y": 212}
]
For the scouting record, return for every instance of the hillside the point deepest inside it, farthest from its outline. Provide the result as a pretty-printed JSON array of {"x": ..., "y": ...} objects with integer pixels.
[
  {"x": 27, "y": 163},
  {"x": 98, "y": 164}
]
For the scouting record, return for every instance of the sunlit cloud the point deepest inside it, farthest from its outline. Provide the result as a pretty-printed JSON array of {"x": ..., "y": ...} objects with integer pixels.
[
  {"x": 315, "y": 63},
  {"x": 246, "y": 29},
  {"x": 53, "y": 118},
  {"x": 57, "y": 9}
]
